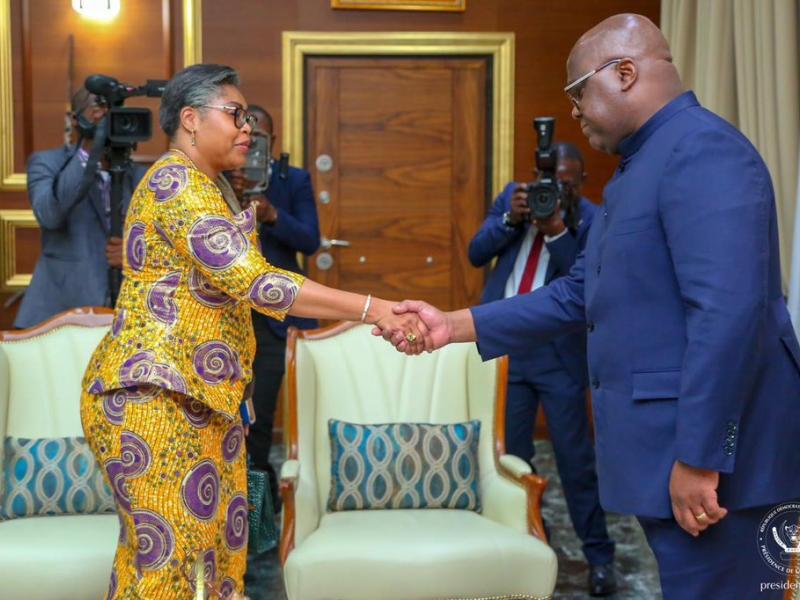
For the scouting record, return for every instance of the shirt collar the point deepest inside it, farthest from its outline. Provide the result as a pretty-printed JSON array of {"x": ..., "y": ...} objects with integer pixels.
[{"x": 629, "y": 145}]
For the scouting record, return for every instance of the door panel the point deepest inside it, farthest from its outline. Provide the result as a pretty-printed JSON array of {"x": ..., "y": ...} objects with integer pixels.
[{"x": 407, "y": 139}]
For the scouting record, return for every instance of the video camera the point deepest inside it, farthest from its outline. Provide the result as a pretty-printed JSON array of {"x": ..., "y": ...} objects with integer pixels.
[
  {"x": 544, "y": 193},
  {"x": 115, "y": 137},
  {"x": 126, "y": 126}
]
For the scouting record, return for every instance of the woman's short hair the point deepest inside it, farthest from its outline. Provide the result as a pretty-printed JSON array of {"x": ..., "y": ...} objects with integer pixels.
[{"x": 193, "y": 86}]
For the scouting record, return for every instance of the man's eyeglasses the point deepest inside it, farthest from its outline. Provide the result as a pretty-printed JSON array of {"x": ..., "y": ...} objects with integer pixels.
[
  {"x": 240, "y": 116},
  {"x": 575, "y": 89}
]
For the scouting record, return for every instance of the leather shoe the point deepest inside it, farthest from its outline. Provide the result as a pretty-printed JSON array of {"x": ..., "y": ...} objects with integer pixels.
[{"x": 602, "y": 580}]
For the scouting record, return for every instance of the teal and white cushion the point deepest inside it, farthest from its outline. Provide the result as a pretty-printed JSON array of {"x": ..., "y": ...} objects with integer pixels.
[
  {"x": 404, "y": 465},
  {"x": 51, "y": 476}
]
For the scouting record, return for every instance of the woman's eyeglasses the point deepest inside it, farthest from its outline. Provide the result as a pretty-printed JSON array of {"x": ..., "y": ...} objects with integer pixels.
[{"x": 240, "y": 116}]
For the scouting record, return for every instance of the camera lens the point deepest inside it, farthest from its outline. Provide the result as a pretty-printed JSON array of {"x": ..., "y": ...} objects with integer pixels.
[{"x": 127, "y": 124}]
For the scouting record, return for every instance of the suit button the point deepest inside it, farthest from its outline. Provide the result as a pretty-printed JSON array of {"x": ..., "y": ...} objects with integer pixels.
[
  {"x": 590, "y": 327},
  {"x": 595, "y": 383},
  {"x": 598, "y": 269}
]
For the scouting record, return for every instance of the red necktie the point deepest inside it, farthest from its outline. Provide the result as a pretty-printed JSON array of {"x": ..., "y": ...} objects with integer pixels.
[{"x": 526, "y": 283}]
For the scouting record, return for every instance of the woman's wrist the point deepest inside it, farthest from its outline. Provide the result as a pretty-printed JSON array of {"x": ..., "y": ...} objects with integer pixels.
[{"x": 377, "y": 309}]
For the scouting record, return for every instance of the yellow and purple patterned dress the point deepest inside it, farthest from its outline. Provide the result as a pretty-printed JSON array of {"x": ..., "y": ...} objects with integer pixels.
[{"x": 160, "y": 407}]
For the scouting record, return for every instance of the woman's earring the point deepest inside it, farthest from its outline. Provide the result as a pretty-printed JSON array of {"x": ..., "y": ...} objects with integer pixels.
[{"x": 194, "y": 139}]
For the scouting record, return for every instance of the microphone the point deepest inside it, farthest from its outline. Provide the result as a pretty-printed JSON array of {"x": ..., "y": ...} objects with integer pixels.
[
  {"x": 154, "y": 88},
  {"x": 115, "y": 92},
  {"x": 101, "y": 85},
  {"x": 255, "y": 166}
]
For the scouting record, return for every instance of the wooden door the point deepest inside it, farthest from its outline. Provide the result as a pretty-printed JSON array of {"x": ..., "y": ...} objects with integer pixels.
[{"x": 406, "y": 186}]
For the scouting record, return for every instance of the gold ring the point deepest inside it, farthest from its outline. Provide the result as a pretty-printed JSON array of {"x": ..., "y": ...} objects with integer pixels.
[
  {"x": 411, "y": 338},
  {"x": 702, "y": 516}
]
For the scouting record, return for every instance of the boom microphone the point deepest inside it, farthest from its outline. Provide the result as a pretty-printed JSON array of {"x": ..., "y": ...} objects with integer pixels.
[{"x": 101, "y": 85}]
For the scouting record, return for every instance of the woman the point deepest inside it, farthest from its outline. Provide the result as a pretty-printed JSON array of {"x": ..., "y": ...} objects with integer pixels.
[{"x": 160, "y": 407}]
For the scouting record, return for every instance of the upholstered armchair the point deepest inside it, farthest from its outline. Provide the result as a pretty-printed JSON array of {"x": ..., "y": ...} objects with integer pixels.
[
  {"x": 62, "y": 557},
  {"x": 343, "y": 372}
]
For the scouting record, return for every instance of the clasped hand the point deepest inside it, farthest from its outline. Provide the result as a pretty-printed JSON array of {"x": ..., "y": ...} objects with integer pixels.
[{"x": 414, "y": 326}]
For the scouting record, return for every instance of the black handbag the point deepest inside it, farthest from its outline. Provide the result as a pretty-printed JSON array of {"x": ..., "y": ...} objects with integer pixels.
[{"x": 262, "y": 530}]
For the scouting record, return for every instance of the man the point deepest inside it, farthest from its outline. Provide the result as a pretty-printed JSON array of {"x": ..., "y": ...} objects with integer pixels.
[
  {"x": 528, "y": 257},
  {"x": 289, "y": 224},
  {"x": 77, "y": 249},
  {"x": 693, "y": 361}
]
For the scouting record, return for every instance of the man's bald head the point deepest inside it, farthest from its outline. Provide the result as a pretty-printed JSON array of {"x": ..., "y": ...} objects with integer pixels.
[
  {"x": 637, "y": 78},
  {"x": 629, "y": 35}
]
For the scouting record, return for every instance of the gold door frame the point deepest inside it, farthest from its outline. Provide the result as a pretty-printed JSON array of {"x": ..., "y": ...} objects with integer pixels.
[
  {"x": 10, "y": 280},
  {"x": 499, "y": 47}
]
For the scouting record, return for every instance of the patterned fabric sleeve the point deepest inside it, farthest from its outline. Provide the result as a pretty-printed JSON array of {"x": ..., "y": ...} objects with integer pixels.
[{"x": 191, "y": 214}]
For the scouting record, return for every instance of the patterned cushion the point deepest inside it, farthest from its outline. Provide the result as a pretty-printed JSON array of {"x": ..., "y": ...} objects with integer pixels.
[
  {"x": 51, "y": 477},
  {"x": 404, "y": 465}
]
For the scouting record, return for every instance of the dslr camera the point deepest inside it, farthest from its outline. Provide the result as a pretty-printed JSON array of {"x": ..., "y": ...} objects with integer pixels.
[{"x": 544, "y": 193}]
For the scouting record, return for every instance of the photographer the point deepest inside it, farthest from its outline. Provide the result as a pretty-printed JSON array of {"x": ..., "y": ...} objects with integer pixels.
[
  {"x": 530, "y": 254},
  {"x": 289, "y": 224},
  {"x": 77, "y": 249}
]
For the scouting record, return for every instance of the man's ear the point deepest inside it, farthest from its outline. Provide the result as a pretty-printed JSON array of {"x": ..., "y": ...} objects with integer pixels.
[{"x": 627, "y": 73}]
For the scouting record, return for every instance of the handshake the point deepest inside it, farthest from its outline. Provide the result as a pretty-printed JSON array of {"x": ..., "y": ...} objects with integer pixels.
[{"x": 413, "y": 326}]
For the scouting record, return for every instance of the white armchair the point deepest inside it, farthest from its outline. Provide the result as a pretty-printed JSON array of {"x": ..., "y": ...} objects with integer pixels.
[
  {"x": 343, "y": 372},
  {"x": 53, "y": 557}
]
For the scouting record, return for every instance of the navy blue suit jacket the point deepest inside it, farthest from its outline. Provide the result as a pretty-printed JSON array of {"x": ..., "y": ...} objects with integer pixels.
[
  {"x": 494, "y": 239},
  {"x": 692, "y": 355},
  {"x": 296, "y": 230},
  {"x": 72, "y": 270}
]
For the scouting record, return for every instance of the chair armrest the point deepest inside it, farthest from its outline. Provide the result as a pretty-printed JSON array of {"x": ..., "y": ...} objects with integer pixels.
[
  {"x": 290, "y": 472},
  {"x": 515, "y": 466},
  {"x": 5, "y": 400},
  {"x": 521, "y": 472}
]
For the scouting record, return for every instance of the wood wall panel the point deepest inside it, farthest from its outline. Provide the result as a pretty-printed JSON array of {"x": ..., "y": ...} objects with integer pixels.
[
  {"x": 143, "y": 42},
  {"x": 545, "y": 32}
]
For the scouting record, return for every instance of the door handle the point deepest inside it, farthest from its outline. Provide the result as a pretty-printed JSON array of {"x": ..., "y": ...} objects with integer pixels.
[{"x": 327, "y": 244}]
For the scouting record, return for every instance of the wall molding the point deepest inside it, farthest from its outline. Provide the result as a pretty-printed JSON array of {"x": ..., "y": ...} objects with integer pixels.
[
  {"x": 498, "y": 47},
  {"x": 10, "y": 221},
  {"x": 9, "y": 180},
  {"x": 13, "y": 182},
  {"x": 192, "y": 32}
]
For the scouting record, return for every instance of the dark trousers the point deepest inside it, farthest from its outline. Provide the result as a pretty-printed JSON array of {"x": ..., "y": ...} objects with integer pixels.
[
  {"x": 540, "y": 378},
  {"x": 268, "y": 369},
  {"x": 723, "y": 562}
]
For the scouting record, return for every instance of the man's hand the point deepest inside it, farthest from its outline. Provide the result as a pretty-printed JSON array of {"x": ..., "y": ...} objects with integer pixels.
[
  {"x": 437, "y": 324},
  {"x": 407, "y": 327},
  {"x": 694, "y": 498},
  {"x": 114, "y": 252},
  {"x": 519, "y": 212},
  {"x": 239, "y": 183},
  {"x": 553, "y": 225},
  {"x": 94, "y": 113},
  {"x": 265, "y": 210}
]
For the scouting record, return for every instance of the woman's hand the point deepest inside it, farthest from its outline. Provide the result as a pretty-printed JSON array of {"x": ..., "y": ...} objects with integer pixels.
[{"x": 408, "y": 325}]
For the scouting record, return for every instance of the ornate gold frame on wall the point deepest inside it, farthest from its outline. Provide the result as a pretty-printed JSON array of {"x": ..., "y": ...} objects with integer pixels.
[
  {"x": 9, "y": 181},
  {"x": 10, "y": 280},
  {"x": 437, "y": 5},
  {"x": 10, "y": 221},
  {"x": 498, "y": 46}
]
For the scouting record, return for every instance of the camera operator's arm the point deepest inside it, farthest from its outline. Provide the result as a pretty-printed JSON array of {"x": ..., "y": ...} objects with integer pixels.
[
  {"x": 564, "y": 245},
  {"x": 298, "y": 227},
  {"x": 52, "y": 193},
  {"x": 495, "y": 234}
]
